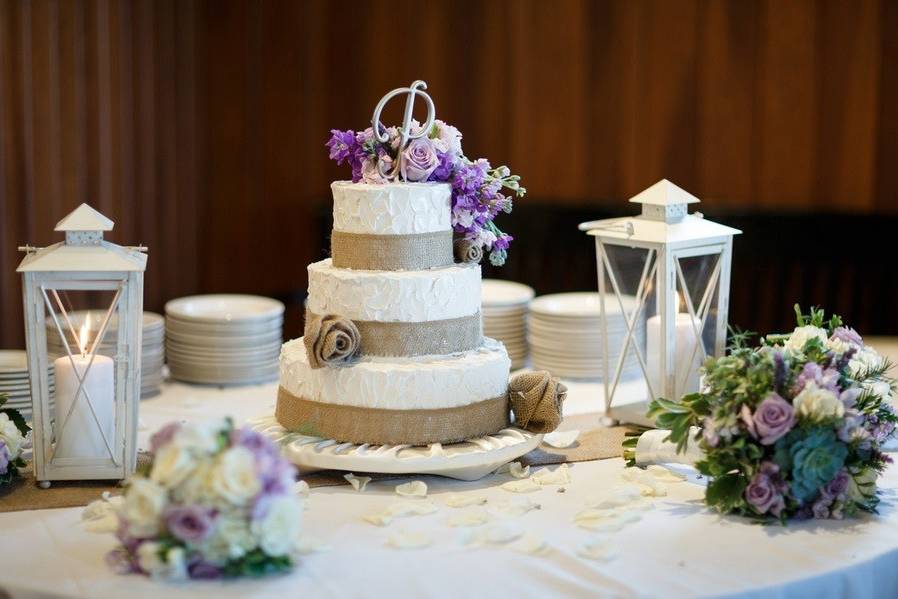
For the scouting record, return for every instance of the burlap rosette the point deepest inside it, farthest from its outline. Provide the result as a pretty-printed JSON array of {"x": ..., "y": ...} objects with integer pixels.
[
  {"x": 536, "y": 399},
  {"x": 467, "y": 251},
  {"x": 330, "y": 340}
]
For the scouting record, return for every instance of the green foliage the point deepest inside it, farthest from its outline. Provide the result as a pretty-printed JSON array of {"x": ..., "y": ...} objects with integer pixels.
[
  {"x": 257, "y": 563},
  {"x": 725, "y": 491}
]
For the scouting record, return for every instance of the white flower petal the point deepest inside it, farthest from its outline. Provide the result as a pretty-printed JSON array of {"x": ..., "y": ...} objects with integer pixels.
[
  {"x": 468, "y": 519},
  {"x": 411, "y": 508},
  {"x": 415, "y": 488},
  {"x": 530, "y": 545},
  {"x": 409, "y": 540},
  {"x": 559, "y": 476},
  {"x": 308, "y": 545},
  {"x": 666, "y": 475},
  {"x": 518, "y": 470},
  {"x": 378, "y": 519},
  {"x": 647, "y": 483},
  {"x": 101, "y": 516},
  {"x": 301, "y": 488},
  {"x": 516, "y": 507},
  {"x": 561, "y": 439},
  {"x": 526, "y": 485},
  {"x": 606, "y": 520},
  {"x": 597, "y": 550},
  {"x": 502, "y": 533},
  {"x": 617, "y": 496},
  {"x": 358, "y": 482},
  {"x": 458, "y": 500}
]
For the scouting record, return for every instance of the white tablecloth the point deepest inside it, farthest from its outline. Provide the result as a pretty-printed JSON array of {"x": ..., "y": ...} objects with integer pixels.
[{"x": 677, "y": 549}]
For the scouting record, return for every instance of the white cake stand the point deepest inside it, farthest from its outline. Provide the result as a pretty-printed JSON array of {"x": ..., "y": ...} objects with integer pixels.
[{"x": 468, "y": 460}]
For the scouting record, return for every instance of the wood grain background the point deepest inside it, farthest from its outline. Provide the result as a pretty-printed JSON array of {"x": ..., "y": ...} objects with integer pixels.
[{"x": 198, "y": 125}]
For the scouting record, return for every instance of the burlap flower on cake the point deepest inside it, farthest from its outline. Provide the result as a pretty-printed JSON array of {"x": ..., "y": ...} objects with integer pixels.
[
  {"x": 330, "y": 340},
  {"x": 467, "y": 251},
  {"x": 536, "y": 399}
]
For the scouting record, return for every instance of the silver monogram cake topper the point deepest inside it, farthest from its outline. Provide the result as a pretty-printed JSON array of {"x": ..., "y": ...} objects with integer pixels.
[{"x": 416, "y": 89}]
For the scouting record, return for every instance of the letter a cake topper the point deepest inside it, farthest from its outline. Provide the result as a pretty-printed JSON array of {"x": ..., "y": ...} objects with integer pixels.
[{"x": 416, "y": 89}]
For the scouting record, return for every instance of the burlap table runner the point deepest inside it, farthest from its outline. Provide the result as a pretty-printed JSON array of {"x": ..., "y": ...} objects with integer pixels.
[{"x": 595, "y": 444}]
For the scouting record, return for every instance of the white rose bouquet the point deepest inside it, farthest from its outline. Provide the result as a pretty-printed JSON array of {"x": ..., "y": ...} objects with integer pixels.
[
  {"x": 214, "y": 502},
  {"x": 13, "y": 431}
]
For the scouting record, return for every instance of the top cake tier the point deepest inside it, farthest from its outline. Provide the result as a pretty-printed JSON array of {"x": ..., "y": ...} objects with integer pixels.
[{"x": 392, "y": 209}]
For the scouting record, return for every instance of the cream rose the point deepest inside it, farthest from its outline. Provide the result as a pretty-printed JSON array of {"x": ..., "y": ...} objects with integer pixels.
[
  {"x": 234, "y": 477},
  {"x": 172, "y": 465},
  {"x": 143, "y": 505},
  {"x": 801, "y": 335},
  {"x": 814, "y": 403},
  {"x": 278, "y": 531},
  {"x": 199, "y": 437},
  {"x": 232, "y": 539},
  {"x": 11, "y": 435},
  {"x": 173, "y": 567}
]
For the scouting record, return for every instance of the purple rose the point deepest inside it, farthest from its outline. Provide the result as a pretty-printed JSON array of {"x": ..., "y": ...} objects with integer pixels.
[
  {"x": 4, "y": 457},
  {"x": 190, "y": 523},
  {"x": 763, "y": 494},
  {"x": 838, "y": 486},
  {"x": 848, "y": 335},
  {"x": 820, "y": 509},
  {"x": 203, "y": 570},
  {"x": 773, "y": 418},
  {"x": 418, "y": 160},
  {"x": 163, "y": 436}
]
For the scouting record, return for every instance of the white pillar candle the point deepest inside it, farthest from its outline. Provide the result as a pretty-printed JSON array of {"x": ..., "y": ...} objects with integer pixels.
[
  {"x": 81, "y": 438},
  {"x": 684, "y": 347}
]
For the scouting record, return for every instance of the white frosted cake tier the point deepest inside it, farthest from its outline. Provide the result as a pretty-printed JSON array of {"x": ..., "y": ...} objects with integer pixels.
[
  {"x": 395, "y": 296},
  {"x": 392, "y": 208},
  {"x": 424, "y": 382}
]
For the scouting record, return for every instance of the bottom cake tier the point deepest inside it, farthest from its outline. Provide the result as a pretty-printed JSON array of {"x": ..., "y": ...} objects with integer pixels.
[{"x": 392, "y": 401}]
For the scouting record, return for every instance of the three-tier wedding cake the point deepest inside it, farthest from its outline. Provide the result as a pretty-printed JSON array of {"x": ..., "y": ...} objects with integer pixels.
[{"x": 393, "y": 350}]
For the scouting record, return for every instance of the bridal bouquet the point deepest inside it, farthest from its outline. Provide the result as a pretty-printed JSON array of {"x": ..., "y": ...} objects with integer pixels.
[
  {"x": 478, "y": 189},
  {"x": 214, "y": 502},
  {"x": 13, "y": 431},
  {"x": 793, "y": 428}
]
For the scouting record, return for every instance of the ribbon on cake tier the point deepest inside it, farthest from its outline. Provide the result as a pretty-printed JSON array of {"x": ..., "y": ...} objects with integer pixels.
[
  {"x": 377, "y": 426},
  {"x": 404, "y": 339},
  {"x": 416, "y": 251}
]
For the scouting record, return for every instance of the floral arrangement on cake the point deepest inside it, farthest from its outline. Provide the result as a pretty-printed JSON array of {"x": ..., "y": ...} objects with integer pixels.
[
  {"x": 215, "y": 501},
  {"x": 793, "y": 428},
  {"x": 13, "y": 431},
  {"x": 480, "y": 192}
]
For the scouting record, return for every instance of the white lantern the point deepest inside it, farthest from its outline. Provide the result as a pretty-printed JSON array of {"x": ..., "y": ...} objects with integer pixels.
[
  {"x": 74, "y": 293},
  {"x": 664, "y": 280}
]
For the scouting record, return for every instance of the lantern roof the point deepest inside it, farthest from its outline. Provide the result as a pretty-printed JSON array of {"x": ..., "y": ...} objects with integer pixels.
[
  {"x": 84, "y": 249},
  {"x": 664, "y": 193}
]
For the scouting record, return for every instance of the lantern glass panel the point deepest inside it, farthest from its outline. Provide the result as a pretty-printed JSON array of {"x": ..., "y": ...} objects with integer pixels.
[
  {"x": 628, "y": 291},
  {"x": 81, "y": 336}
]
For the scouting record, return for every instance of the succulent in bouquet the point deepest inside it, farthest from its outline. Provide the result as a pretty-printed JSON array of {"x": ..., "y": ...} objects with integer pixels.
[
  {"x": 13, "y": 433},
  {"x": 215, "y": 501},
  {"x": 791, "y": 428}
]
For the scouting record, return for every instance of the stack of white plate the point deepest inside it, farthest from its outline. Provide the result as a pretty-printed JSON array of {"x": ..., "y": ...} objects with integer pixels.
[
  {"x": 14, "y": 381},
  {"x": 504, "y": 309},
  {"x": 565, "y": 335},
  {"x": 223, "y": 339},
  {"x": 152, "y": 354}
]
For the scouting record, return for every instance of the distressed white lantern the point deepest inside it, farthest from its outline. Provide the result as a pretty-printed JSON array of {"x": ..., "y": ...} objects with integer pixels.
[
  {"x": 84, "y": 415},
  {"x": 664, "y": 279}
]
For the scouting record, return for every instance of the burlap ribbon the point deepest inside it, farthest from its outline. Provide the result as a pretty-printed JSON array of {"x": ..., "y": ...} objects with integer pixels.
[
  {"x": 536, "y": 399},
  {"x": 403, "y": 339},
  {"x": 330, "y": 340},
  {"x": 378, "y": 426},
  {"x": 360, "y": 251}
]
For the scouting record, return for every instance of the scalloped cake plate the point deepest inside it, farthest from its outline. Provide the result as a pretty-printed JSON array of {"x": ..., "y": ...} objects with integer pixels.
[{"x": 468, "y": 460}]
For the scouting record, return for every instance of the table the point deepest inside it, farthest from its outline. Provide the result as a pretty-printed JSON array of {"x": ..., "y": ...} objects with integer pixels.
[{"x": 677, "y": 549}]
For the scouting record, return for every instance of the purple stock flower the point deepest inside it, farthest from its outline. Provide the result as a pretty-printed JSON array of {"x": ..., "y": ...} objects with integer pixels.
[
  {"x": 779, "y": 370},
  {"x": 824, "y": 378},
  {"x": 848, "y": 335},
  {"x": 820, "y": 508},
  {"x": 4, "y": 457},
  {"x": 469, "y": 178},
  {"x": 765, "y": 491},
  {"x": 443, "y": 170},
  {"x": 342, "y": 145},
  {"x": 163, "y": 436},
  {"x": 837, "y": 487},
  {"x": 256, "y": 442},
  {"x": 502, "y": 242},
  {"x": 418, "y": 160},
  {"x": 190, "y": 523},
  {"x": 773, "y": 418}
]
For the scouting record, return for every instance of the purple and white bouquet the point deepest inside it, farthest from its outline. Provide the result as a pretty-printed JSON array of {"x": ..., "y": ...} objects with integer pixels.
[
  {"x": 480, "y": 192},
  {"x": 13, "y": 432},
  {"x": 216, "y": 501},
  {"x": 793, "y": 428}
]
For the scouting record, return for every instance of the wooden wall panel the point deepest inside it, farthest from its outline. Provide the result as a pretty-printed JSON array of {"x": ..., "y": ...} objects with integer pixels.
[{"x": 198, "y": 125}]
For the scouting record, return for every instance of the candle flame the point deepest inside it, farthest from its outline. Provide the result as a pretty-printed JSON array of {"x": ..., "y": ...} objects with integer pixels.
[{"x": 83, "y": 333}]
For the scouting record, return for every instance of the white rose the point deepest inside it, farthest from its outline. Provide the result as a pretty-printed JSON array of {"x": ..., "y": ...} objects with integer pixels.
[
  {"x": 837, "y": 346},
  {"x": 148, "y": 558},
  {"x": 278, "y": 531},
  {"x": 11, "y": 435},
  {"x": 801, "y": 335},
  {"x": 172, "y": 465},
  {"x": 143, "y": 505},
  {"x": 865, "y": 359},
  {"x": 448, "y": 138},
  {"x": 199, "y": 437},
  {"x": 196, "y": 489},
  {"x": 815, "y": 403},
  {"x": 232, "y": 539},
  {"x": 234, "y": 477},
  {"x": 173, "y": 567}
]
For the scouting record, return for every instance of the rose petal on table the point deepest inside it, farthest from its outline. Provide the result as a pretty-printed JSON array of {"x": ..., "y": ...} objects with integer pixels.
[
  {"x": 468, "y": 519},
  {"x": 458, "y": 500},
  {"x": 530, "y": 545},
  {"x": 308, "y": 545},
  {"x": 666, "y": 475},
  {"x": 606, "y": 520},
  {"x": 301, "y": 488},
  {"x": 502, "y": 533},
  {"x": 406, "y": 539},
  {"x": 358, "y": 482},
  {"x": 415, "y": 488},
  {"x": 559, "y": 476},
  {"x": 518, "y": 470},
  {"x": 101, "y": 516},
  {"x": 525, "y": 485},
  {"x": 600, "y": 551},
  {"x": 617, "y": 496},
  {"x": 400, "y": 509},
  {"x": 648, "y": 485},
  {"x": 561, "y": 439},
  {"x": 516, "y": 507}
]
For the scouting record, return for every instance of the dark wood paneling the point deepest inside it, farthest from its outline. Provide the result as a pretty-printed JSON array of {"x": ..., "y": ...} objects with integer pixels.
[{"x": 198, "y": 125}]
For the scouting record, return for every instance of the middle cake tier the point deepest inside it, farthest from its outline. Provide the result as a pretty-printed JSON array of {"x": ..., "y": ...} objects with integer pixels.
[{"x": 402, "y": 313}]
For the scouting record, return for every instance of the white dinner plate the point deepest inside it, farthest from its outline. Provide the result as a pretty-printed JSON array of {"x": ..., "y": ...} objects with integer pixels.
[
  {"x": 495, "y": 292},
  {"x": 220, "y": 308}
]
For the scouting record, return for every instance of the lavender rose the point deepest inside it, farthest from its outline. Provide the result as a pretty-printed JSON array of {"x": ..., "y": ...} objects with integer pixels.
[
  {"x": 773, "y": 418},
  {"x": 190, "y": 523},
  {"x": 765, "y": 491},
  {"x": 418, "y": 160},
  {"x": 4, "y": 457}
]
